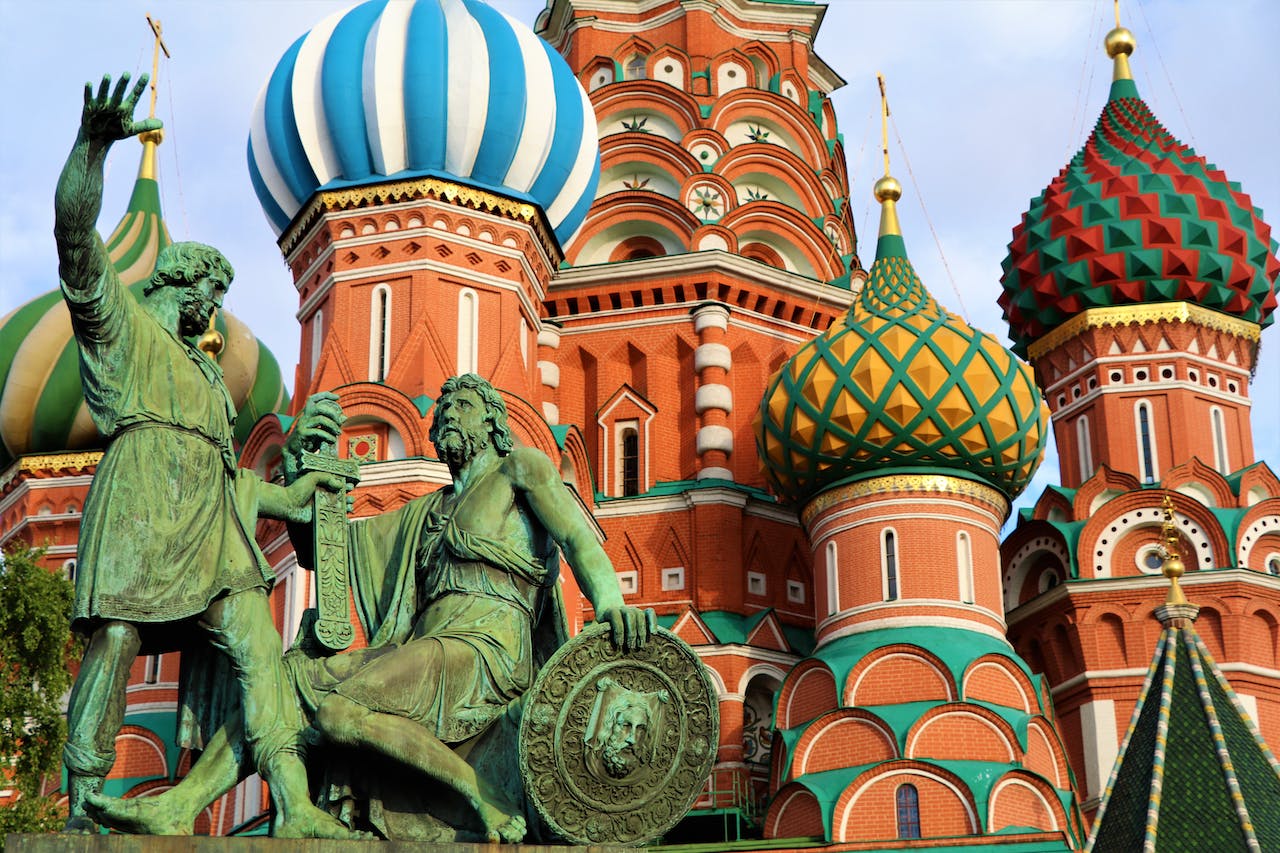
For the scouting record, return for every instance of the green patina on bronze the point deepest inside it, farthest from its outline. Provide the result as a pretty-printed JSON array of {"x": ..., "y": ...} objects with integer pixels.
[
  {"x": 616, "y": 747},
  {"x": 166, "y": 538},
  {"x": 457, "y": 592},
  {"x": 333, "y": 624}
]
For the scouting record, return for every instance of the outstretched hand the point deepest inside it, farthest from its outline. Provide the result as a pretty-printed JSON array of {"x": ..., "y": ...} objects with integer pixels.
[
  {"x": 108, "y": 116},
  {"x": 630, "y": 627}
]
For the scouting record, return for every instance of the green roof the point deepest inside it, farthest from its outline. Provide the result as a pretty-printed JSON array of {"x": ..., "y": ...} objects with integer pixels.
[{"x": 1193, "y": 773}]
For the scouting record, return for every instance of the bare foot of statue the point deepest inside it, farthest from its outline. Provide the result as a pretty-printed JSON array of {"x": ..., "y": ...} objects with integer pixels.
[
  {"x": 501, "y": 822},
  {"x": 138, "y": 815},
  {"x": 308, "y": 821}
]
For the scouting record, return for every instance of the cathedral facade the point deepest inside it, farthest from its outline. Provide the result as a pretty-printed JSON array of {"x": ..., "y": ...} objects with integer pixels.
[{"x": 634, "y": 219}]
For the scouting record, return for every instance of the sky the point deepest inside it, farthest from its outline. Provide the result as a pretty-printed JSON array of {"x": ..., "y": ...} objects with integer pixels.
[{"x": 989, "y": 99}]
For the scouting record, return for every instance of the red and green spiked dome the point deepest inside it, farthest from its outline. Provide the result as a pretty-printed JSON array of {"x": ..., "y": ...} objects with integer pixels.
[
  {"x": 897, "y": 385},
  {"x": 1136, "y": 216},
  {"x": 42, "y": 408}
]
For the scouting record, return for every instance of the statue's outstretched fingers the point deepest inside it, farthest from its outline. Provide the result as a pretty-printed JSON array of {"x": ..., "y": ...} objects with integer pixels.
[
  {"x": 139, "y": 87},
  {"x": 104, "y": 88},
  {"x": 122, "y": 86}
]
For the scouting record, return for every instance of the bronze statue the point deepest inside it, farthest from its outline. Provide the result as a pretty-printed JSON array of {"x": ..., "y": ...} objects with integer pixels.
[
  {"x": 166, "y": 541},
  {"x": 456, "y": 591}
]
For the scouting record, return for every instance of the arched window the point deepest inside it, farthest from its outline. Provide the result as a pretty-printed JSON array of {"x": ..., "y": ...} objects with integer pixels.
[
  {"x": 380, "y": 333},
  {"x": 468, "y": 331},
  {"x": 1083, "y": 450},
  {"x": 635, "y": 68},
  {"x": 1219, "y": 440},
  {"x": 630, "y": 459},
  {"x": 1146, "y": 443},
  {"x": 1273, "y": 566},
  {"x": 317, "y": 338},
  {"x": 833, "y": 580},
  {"x": 889, "y": 558},
  {"x": 964, "y": 558},
  {"x": 908, "y": 799}
]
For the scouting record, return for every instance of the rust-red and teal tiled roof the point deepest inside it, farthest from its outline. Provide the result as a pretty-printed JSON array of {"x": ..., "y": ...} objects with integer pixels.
[
  {"x": 42, "y": 408},
  {"x": 898, "y": 384},
  {"x": 1193, "y": 772},
  {"x": 1136, "y": 216}
]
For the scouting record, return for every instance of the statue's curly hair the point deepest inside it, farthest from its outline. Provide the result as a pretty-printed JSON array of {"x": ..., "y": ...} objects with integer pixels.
[
  {"x": 183, "y": 264},
  {"x": 495, "y": 410}
]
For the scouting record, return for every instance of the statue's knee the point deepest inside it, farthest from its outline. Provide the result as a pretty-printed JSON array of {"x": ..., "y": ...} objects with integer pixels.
[
  {"x": 119, "y": 636},
  {"x": 336, "y": 716}
]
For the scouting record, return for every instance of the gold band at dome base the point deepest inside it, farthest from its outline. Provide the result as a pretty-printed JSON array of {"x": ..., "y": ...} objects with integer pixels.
[
  {"x": 934, "y": 483},
  {"x": 1152, "y": 312},
  {"x": 416, "y": 188}
]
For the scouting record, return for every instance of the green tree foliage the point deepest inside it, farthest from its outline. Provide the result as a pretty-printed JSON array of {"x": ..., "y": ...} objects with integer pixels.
[{"x": 35, "y": 650}]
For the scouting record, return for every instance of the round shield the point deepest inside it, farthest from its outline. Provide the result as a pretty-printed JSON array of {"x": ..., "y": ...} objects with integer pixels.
[{"x": 616, "y": 746}]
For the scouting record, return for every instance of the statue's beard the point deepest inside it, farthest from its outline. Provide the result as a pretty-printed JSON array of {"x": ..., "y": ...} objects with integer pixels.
[
  {"x": 457, "y": 447},
  {"x": 618, "y": 761},
  {"x": 191, "y": 319}
]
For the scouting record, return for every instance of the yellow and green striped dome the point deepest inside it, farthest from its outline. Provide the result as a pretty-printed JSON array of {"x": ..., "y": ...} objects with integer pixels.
[
  {"x": 899, "y": 384},
  {"x": 42, "y": 408}
]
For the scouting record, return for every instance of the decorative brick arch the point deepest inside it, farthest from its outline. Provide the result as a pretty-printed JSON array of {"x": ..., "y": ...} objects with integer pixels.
[
  {"x": 830, "y": 740},
  {"x": 263, "y": 443},
  {"x": 747, "y": 104},
  {"x": 790, "y": 229},
  {"x": 794, "y": 813},
  {"x": 809, "y": 691},
  {"x": 139, "y": 755},
  {"x": 1097, "y": 542},
  {"x": 965, "y": 732},
  {"x": 679, "y": 107},
  {"x": 996, "y": 679},
  {"x": 1258, "y": 482},
  {"x": 947, "y": 806},
  {"x": 1046, "y": 755},
  {"x": 1023, "y": 799},
  {"x": 1024, "y": 556},
  {"x": 1201, "y": 477},
  {"x": 906, "y": 673},
  {"x": 784, "y": 164},
  {"x": 530, "y": 428},
  {"x": 385, "y": 403},
  {"x": 1103, "y": 480},
  {"x": 1259, "y": 524}
]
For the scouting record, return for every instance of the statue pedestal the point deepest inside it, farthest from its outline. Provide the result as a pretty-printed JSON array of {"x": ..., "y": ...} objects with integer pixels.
[{"x": 54, "y": 843}]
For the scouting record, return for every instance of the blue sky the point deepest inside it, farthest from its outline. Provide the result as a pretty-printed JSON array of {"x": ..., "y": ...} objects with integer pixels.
[{"x": 989, "y": 97}]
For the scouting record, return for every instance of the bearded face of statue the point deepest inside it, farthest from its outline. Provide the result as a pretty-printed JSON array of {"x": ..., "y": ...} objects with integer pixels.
[
  {"x": 628, "y": 726},
  {"x": 462, "y": 428}
]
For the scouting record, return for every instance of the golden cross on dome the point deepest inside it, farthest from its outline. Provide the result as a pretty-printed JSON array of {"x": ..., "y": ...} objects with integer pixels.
[
  {"x": 155, "y": 58},
  {"x": 884, "y": 122}
]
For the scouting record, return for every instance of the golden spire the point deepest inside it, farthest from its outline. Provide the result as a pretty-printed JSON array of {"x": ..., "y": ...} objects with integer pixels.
[
  {"x": 152, "y": 138},
  {"x": 1120, "y": 43},
  {"x": 1171, "y": 553},
  {"x": 887, "y": 190}
]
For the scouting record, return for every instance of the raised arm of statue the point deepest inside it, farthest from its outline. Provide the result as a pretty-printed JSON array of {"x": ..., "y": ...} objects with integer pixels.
[
  {"x": 106, "y": 118},
  {"x": 537, "y": 479}
]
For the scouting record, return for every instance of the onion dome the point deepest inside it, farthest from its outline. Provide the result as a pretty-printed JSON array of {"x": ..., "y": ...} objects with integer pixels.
[
  {"x": 899, "y": 384},
  {"x": 446, "y": 88},
  {"x": 1136, "y": 216},
  {"x": 42, "y": 408}
]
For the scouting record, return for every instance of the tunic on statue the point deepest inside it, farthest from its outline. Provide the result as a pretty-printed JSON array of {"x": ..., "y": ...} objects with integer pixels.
[
  {"x": 168, "y": 519},
  {"x": 450, "y": 618}
]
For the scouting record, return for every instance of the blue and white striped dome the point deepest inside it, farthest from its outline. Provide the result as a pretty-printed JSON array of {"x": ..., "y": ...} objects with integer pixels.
[{"x": 393, "y": 89}]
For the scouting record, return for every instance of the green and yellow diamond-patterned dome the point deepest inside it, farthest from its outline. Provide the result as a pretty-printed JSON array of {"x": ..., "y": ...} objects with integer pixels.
[
  {"x": 899, "y": 384},
  {"x": 42, "y": 408}
]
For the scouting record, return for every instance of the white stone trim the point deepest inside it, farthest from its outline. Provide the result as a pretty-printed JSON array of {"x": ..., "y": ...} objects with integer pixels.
[
  {"x": 549, "y": 372},
  {"x": 714, "y": 438},
  {"x": 712, "y": 355},
  {"x": 713, "y": 395}
]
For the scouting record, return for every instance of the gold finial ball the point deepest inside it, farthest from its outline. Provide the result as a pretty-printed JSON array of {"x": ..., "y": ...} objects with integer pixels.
[
  {"x": 211, "y": 343},
  {"x": 155, "y": 136},
  {"x": 1118, "y": 41},
  {"x": 1173, "y": 568},
  {"x": 887, "y": 189}
]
